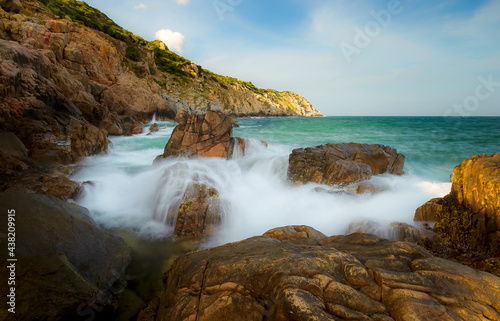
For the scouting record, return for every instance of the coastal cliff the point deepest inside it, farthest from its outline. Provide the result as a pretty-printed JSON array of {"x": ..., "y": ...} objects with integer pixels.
[
  {"x": 66, "y": 50},
  {"x": 69, "y": 77}
]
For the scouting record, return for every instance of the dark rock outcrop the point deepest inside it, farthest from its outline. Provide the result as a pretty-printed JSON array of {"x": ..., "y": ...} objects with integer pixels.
[
  {"x": 66, "y": 265},
  {"x": 342, "y": 164},
  {"x": 296, "y": 273},
  {"x": 11, "y": 5}
]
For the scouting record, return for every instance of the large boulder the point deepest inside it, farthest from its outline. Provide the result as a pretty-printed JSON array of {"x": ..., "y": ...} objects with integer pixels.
[
  {"x": 299, "y": 274},
  {"x": 342, "y": 164},
  {"x": 67, "y": 267},
  {"x": 199, "y": 212},
  {"x": 469, "y": 216},
  {"x": 11, "y": 144},
  {"x": 11, "y": 5},
  {"x": 202, "y": 136}
]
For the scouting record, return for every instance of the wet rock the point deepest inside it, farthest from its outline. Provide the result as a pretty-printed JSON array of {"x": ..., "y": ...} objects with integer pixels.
[
  {"x": 66, "y": 264},
  {"x": 430, "y": 211},
  {"x": 469, "y": 216},
  {"x": 153, "y": 128},
  {"x": 368, "y": 188},
  {"x": 202, "y": 136},
  {"x": 199, "y": 212},
  {"x": 342, "y": 164},
  {"x": 55, "y": 184},
  {"x": 358, "y": 276}
]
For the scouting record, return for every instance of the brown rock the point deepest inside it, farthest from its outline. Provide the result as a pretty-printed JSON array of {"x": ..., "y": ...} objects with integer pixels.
[
  {"x": 368, "y": 188},
  {"x": 201, "y": 136},
  {"x": 153, "y": 128},
  {"x": 359, "y": 277},
  {"x": 11, "y": 144},
  {"x": 59, "y": 26},
  {"x": 138, "y": 129},
  {"x": 54, "y": 184},
  {"x": 112, "y": 124},
  {"x": 343, "y": 163},
  {"x": 297, "y": 232},
  {"x": 66, "y": 264},
  {"x": 181, "y": 116},
  {"x": 430, "y": 211},
  {"x": 469, "y": 217},
  {"x": 11, "y": 5},
  {"x": 199, "y": 212}
]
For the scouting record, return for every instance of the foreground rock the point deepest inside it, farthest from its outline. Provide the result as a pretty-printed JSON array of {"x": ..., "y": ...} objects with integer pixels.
[
  {"x": 469, "y": 217},
  {"x": 342, "y": 164},
  {"x": 296, "y": 273},
  {"x": 67, "y": 266}
]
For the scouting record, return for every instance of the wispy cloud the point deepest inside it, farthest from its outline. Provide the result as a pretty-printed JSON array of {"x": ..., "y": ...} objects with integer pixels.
[
  {"x": 140, "y": 6},
  {"x": 182, "y": 2},
  {"x": 173, "y": 39}
]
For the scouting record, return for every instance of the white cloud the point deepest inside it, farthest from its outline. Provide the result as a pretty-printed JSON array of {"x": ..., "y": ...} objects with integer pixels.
[
  {"x": 182, "y": 2},
  {"x": 173, "y": 39},
  {"x": 140, "y": 6}
]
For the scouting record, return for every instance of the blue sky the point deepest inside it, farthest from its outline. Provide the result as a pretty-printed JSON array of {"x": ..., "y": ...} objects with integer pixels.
[{"x": 347, "y": 57}]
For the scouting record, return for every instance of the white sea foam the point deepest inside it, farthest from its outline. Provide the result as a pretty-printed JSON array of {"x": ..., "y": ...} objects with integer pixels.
[{"x": 127, "y": 192}]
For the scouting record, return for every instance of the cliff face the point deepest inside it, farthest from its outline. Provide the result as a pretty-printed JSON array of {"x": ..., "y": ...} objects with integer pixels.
[
  {"x": 68, "y": 83},
  {"x": 469, "y": 217},
  {"x": 111, "y": 75}
]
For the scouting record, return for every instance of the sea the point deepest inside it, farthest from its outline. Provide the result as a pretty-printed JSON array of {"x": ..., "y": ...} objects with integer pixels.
[
  {"x": 125, "y": 191},
  {"x": 127, "y": 194}
]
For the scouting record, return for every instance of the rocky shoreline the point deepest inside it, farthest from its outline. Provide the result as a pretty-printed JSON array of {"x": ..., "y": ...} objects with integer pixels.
[
  {"x": 289, "y": 273},
  {"x": 58, "y": 107}
]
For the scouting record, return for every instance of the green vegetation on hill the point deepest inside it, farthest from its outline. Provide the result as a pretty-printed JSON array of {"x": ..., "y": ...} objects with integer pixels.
[
  {"x": 166, "y": 60},
  {"x": 81, "y": 12}
]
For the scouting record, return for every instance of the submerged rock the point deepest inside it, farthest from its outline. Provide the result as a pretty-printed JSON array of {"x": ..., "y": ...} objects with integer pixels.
[
  {"x": 342, "y": 164},
  {"x": 296, "y": 273},
  {"x": 66, "y": 265},
  {"x": 469, "y": 217}
]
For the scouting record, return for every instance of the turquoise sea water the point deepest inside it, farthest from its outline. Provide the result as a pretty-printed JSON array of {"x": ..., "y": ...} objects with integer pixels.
[
  {"x": 129, "y": 193},
  {"x": 433, "y": 146}
]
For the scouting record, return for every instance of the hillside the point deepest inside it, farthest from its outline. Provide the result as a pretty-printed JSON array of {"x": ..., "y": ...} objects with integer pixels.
[{"x": 111, "y": 68}]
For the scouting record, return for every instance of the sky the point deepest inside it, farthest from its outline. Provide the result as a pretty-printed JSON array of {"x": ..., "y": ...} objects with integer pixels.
[{"x": 347, "y": 57}]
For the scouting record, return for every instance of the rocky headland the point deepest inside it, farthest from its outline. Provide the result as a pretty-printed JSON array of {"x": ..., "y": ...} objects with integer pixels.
[
  {"x": 70, "y": 77},
  {"x": 468, "y": 218}
]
